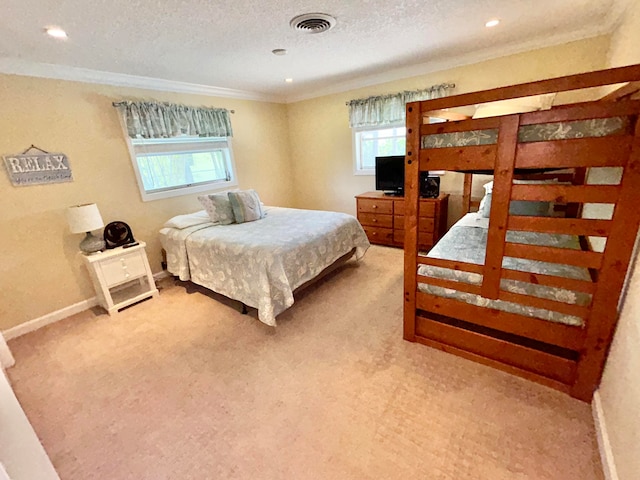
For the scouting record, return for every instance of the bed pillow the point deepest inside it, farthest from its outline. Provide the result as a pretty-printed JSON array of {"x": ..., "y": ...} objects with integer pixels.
[
  {"x": 218, "y": 208},
  {"x": 188, "y": 220},
  {"x": 514, "y": 105},
  {"x": 246, "y": 205},
  {"x": 485, "y": 204},
  {"x": 523, "y": 208}
]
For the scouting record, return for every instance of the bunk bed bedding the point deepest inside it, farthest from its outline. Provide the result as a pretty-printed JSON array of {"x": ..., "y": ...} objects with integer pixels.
[
  {"x": 466, "y": 241},
  {"x": 598, "y": 127},
  {"x": 261, "y": 263}
]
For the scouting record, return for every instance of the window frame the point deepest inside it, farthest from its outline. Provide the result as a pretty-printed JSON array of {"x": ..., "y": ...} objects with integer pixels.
[
  {"x": 188, "y": 189},
  {"x": 355, "y": 132}
]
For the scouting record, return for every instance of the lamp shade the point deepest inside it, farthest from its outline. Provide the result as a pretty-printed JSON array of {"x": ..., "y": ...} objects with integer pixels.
[{"x": 84, "y": 218}]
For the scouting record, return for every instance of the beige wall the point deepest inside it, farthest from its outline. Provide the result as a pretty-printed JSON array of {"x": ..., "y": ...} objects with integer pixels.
[
  {"x": 321, "y": 144},
  {"x": 40, "y": 270},
  {"x": 620, "y": 387}
]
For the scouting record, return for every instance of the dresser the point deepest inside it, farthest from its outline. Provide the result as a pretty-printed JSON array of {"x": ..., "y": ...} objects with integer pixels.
[
  {"x": 382, "y": 217},
  {"x": 121, "y": 276}
]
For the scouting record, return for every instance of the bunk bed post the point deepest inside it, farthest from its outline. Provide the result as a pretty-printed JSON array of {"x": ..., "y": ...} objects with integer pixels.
[
  {"x": 502, "y": 180},
  {"x": 617, "y": 256},
  {"x": 466, "y": 192},
  {"x": 411, "y": 199}
]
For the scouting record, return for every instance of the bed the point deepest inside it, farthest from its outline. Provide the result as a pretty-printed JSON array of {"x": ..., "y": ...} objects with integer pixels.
[
  {"x": 261, "y": 263},
  {"x": 534, "y": 294}
]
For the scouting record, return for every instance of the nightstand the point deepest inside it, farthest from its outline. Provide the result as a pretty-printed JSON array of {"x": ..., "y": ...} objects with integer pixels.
[{"x": 121, "y": 276}]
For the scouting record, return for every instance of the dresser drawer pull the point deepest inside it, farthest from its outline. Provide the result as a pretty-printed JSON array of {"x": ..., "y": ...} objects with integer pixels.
[
  {"x": 374, "y": 206},
  {"x": 375, "y": 220}
]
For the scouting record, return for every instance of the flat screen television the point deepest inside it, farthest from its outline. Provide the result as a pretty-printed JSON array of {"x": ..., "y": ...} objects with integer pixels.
[{"x": 390, "y": 174}]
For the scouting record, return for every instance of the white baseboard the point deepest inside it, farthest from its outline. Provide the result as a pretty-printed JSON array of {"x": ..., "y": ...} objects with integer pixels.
[
  {"x": 49, "y": 318},
  {"x": 160, "y": 275},
  {"x": 604, "y": 445},
  {"x": 6, "y": 358},
  {"x": 56, "y": 316}
]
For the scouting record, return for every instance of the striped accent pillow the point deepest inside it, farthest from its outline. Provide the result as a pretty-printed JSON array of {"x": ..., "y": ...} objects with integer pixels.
[{"x": 246, "y": 206}]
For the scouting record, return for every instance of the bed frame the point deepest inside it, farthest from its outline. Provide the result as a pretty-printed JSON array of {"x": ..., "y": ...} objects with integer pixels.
[{"x": 563, "y": 357}]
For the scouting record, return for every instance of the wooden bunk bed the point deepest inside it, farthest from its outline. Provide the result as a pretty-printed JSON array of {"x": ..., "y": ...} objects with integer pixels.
[{"x": 559, "y": 338}]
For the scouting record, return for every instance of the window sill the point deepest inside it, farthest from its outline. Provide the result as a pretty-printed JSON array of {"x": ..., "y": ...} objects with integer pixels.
[{"x": 179, "y": 192}]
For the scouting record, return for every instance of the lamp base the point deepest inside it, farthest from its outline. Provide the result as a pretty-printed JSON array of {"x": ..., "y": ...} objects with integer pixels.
[{"x": 91, "y": 244}]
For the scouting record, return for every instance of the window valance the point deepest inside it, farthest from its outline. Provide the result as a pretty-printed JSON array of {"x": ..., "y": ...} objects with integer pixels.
[
  {"x": 390, "y": 109},
  {"x": 163, "y": 120}
]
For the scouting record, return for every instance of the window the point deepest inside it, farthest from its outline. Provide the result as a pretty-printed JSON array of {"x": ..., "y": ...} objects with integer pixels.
[
  {"x": 168, "y": 167},
  {"x": 373, "y": 142}
]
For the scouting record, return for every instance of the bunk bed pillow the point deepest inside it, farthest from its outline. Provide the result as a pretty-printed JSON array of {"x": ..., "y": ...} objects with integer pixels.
[
  {"x": 514, "y": 105},
  {"x": 523, "y": 208}
]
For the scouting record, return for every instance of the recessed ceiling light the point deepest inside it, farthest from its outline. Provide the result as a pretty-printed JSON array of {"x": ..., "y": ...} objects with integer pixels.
[
  {"x": 288, "y": 80},
  {"x": 492, "y": 23},
  {"x": 56, "y": 32},
  {"x": 279, "y": 51}
]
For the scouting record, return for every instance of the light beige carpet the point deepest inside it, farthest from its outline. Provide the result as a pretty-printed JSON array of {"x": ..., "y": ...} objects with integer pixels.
[{"x": 185, "y": 387}]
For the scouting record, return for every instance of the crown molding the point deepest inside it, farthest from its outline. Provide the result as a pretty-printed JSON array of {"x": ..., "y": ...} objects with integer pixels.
[
  {"x": 439, "y": 65},
  {"x": 14, "y": 66}
]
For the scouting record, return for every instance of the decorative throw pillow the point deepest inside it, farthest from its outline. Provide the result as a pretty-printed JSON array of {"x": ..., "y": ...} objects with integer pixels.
[
  {"x": 218, "y": 207},
  {"x": 246, "y": 205}
]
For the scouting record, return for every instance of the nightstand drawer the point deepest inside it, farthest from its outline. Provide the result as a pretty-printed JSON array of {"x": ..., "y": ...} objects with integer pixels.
[
  {"x": 375, "y": 206},
  {"x": 123, "y": 268}
]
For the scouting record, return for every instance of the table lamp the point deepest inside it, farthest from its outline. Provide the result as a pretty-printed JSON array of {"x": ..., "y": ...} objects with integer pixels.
[{"x": 86, "y": 218}]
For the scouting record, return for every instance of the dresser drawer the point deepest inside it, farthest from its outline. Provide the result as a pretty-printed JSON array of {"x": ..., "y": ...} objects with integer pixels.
[
  {"x": 122, "y": 268},
  {"x": 424, "y": 239},
  {"x": 427, "y": 209},
  {"x": 379, "y": 235},
  {"x": 375, "y": 220},
  {"x": 366, "y": 205},
  {"x": 424, "y": 224}
]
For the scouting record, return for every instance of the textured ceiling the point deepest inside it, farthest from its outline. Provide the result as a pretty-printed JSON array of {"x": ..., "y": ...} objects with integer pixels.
[{"x": 228, "y": 43}]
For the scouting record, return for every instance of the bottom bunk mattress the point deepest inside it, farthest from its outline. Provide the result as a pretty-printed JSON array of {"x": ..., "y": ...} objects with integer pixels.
[
  {"x": 466, "y": 242},
  {"x": 261, "y": 263}
]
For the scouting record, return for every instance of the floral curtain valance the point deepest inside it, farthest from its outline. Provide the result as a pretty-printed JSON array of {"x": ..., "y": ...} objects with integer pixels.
[
  {"x": 163, "y": 120},
  {"x": 390, "y": 109}
]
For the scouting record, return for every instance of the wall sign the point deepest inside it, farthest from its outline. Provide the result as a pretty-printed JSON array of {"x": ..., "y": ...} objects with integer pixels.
[{"x": 37, "y": 168}]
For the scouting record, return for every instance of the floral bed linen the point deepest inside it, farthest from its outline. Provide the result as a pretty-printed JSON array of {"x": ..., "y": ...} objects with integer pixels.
[
  {"x": 260, "y": 263},
  {"x": 466, "y": 241},
  {"x": 598, "y": 127}
]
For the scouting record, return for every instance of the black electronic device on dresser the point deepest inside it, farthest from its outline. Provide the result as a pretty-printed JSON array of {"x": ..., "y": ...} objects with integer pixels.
[
  {"x": 390, "y": 178},
  {"x": 429, "y": 186}
]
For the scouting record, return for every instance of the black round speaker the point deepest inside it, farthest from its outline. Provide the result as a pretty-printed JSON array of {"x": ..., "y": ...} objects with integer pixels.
[{"x": 117, "y": 234}]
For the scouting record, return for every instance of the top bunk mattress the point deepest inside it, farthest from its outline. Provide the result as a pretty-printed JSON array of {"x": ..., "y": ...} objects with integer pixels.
[{"x": 466, "y": 241}]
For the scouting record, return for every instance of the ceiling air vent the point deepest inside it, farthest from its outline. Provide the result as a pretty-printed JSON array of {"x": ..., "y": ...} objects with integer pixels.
[{"x": 312, "y": 23}]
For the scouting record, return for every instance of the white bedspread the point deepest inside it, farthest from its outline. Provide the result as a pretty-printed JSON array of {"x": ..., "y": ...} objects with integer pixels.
[{"x": 260, "y": 263}]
